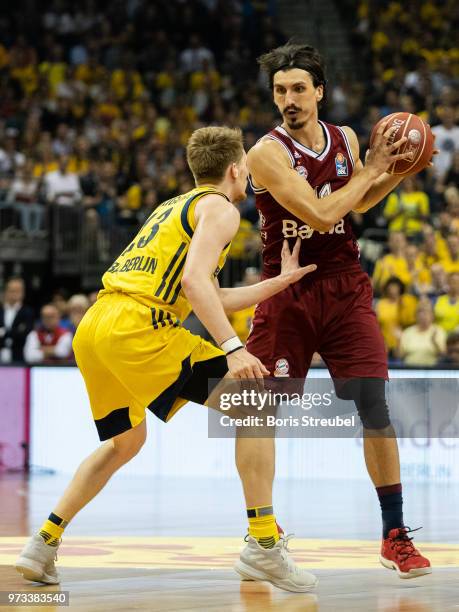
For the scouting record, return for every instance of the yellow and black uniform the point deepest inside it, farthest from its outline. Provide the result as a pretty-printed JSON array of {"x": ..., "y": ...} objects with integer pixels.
[{"x": 130, "y": 346}]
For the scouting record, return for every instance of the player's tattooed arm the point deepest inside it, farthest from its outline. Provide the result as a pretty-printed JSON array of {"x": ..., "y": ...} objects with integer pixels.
[
  {"x": 382, "y": 186},
  {"x": 270, "y": 168}
]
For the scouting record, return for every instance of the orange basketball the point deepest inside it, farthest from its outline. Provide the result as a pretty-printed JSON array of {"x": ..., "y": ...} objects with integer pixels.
[{"x": 420, "y": 142}]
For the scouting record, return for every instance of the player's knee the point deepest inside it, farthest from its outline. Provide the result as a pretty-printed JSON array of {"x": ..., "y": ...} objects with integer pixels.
[
  {"x": 129, "y": 443},
  {"x": 369, "y": 395}
]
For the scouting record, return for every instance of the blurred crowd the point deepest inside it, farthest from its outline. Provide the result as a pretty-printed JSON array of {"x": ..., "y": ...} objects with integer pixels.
[{"x": 99, "y": 99}]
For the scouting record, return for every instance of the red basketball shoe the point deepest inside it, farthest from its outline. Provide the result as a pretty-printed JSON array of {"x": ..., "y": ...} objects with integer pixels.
[{"x": 398, "y": 553}]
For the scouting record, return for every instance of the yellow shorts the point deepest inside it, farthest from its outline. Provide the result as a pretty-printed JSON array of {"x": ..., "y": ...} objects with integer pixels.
[{"x": 129, "y": 366}]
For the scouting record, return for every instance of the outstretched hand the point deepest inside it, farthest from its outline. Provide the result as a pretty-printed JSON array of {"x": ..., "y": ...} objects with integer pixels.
[{"x": 291, "y": 270}]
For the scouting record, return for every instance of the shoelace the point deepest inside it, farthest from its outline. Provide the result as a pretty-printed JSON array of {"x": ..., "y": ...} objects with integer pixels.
[
  {"x": 284, "y": 539},
  {"x": 403, "y": 544}
]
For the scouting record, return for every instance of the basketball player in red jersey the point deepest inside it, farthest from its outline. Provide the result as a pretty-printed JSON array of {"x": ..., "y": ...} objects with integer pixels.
[{"x": 307, "y": 177}]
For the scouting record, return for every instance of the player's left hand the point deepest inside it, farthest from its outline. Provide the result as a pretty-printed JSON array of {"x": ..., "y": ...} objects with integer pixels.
[{"x": 290, "y": 267}]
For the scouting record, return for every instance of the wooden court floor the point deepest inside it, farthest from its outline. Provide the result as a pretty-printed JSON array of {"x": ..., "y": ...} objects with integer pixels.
[{"x": 161, "y": 568}]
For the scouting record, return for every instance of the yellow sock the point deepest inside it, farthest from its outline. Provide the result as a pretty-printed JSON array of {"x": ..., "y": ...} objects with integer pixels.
[
  {"x": 52, "y": 529},
  {"x": 263, "y": 526}
]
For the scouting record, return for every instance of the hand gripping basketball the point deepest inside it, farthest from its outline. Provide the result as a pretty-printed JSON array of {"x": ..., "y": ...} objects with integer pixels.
[{"x": 383, "y": 150}]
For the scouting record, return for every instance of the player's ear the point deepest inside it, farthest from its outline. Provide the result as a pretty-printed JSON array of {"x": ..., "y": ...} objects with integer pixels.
[
  {"x": 319, "y": 93},
  {"x": 234, "y": 170}
]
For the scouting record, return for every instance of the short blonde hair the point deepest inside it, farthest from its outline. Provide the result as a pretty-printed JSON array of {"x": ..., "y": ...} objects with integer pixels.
[{"x": 210, "y": 150}]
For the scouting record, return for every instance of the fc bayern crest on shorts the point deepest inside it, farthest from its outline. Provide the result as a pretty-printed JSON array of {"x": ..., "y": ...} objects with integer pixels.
[
  {"x": 341, "y": 165},
  {"x": 281, "y": 368}
]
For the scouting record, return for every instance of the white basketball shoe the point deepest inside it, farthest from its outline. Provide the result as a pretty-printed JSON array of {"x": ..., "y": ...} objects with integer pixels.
[
  {"x": 36, "y": 561},
  {"x": 274, "y": 565}
]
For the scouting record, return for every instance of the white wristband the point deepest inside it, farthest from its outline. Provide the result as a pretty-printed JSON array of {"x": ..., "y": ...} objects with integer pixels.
[{"x": 231, "y": 344}]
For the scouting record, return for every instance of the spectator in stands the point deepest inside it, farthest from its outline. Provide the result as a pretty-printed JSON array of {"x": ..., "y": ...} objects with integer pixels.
[
  {"x": 60, "y": 301},
  {"x": 438, "y": 282},
  {"x": 61, "y": 186},
  {"x": 392, "y": 264},
  {"x": 196, "y": 57},
  {"x": 395, "y": 311},
  {"x": 445, "y": 224},
  {"x": 451, "y": 261},
  {"x": 451, "y": 196},
  {"x": 23, "y": 196},
  {"x": 407, "y": 208},
  {"x": 420, "y": 278},
  {"x": 424, "y": 343},
  {"x": 433, "y": 247},
  {"x": 451, "y": 178},
  {"x": 446, "y": 140},
  {"x": 452, "y": 350},
  {"x": 446, "y": 307},
  {"x": 16, "y": 321},
  {"x": 78, "y": 304},
  {"x": 10, "y": 158},
  {"x": 49, "y": 343}
]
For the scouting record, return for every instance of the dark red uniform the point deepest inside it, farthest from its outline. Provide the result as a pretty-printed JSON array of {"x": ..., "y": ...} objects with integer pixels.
[{"x": 330, "y": 310}]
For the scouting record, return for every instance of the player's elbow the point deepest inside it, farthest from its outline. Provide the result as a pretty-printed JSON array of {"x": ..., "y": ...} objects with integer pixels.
[
  {"x": 189, "y": 284},
  {"x": 313, "y": 214},
  {"x": 329, "y": 217},
  {"x": 325, "y": 223},
  {"x": 319, "y": 221},
  {"x": 193, "y": 286}
]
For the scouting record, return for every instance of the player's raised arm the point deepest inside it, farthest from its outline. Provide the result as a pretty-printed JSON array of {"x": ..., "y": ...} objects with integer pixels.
[{"x": 270, "y": 168}]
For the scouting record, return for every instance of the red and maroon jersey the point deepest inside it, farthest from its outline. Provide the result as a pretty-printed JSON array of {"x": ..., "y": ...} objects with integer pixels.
[{"x": 334, "y": 251}]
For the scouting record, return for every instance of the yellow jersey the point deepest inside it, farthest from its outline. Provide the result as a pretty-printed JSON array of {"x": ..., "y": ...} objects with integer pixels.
[
  {"x": 407, "y": 210},
  {"x": 150, "y": 269},
  {"x": 447, "y": 313},
  {"x": 388, "y": 266}
]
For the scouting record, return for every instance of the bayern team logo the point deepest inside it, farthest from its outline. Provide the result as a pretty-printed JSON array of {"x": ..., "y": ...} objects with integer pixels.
[
  {"x": 341, "y": 165},
  {"x": 281, "y": 368},
  {"x": 302, "y": 171}
]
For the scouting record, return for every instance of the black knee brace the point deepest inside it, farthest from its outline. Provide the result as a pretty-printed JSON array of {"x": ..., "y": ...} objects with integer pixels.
[{"x": 369, "y": 395}]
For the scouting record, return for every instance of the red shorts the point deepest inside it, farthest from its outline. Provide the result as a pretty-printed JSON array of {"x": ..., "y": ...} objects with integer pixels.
[{"x": 331, "y": 316}]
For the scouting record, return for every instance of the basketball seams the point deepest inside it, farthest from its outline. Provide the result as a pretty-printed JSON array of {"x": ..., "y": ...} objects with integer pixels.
[
  {"x": 423, "y": 144},
  {"x": 407, "y": 123}
]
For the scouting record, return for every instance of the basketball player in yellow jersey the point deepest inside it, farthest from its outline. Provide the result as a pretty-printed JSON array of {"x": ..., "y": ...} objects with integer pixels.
[{"x": 131, "y": 349}]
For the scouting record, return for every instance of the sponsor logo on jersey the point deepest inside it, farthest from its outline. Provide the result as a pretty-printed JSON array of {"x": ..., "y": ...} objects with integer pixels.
[
  {"x": 302, "y": 171},
  {"x": 281, "y": 368},
  {"x": 290, "y": 229},
  {"x": 341, "y": 165}
]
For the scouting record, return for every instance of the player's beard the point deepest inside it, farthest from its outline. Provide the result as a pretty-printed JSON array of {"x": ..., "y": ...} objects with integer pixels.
[{"x": 294, "y": 123}]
